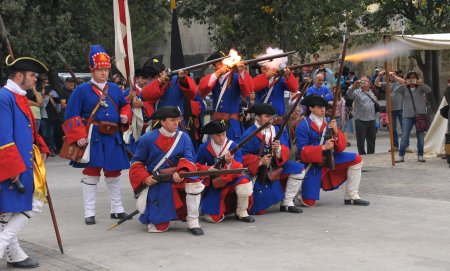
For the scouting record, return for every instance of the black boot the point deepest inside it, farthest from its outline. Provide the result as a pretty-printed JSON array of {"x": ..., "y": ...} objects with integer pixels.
[
  {"x": 196, "y": 231},
  {"x": 291, "y": 209},
  {"x": 90, "y": 220},
  {"x": 28, "y": 263},
  {"x": 358, "y": 202},
  {"x": 246, "y": 219},
  {"x": 120, "y": 216}
]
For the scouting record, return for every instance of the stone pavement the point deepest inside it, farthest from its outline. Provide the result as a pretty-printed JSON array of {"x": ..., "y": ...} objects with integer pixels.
[{"x": 404, "y": 228}]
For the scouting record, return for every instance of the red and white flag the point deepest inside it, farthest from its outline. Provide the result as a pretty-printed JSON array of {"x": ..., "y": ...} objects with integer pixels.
[{"x": 124, "y": 46}]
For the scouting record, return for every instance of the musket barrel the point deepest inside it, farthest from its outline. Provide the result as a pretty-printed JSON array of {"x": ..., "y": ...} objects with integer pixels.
[
  {"x": 298, "y": 66},
  {"x": 270, "y": 58},
  {"x": 197, "y": 66}
]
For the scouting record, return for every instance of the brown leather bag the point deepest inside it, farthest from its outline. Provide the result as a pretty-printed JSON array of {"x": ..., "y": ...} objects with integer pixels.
[
  {"x": 72, "y": 152},
  {"x": 107, "y": 127}
]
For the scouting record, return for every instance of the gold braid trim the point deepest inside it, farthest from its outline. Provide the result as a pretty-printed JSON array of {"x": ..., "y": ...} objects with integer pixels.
[{"x": 7, "y": 145}]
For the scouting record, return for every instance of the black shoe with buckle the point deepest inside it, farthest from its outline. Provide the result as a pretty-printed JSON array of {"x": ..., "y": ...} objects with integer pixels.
[
  {"x": 246, "y": 219},
  {"x": 291, "y": 209},
  {"x": 90, "y": 220},
  {"x": 28, "y": 263},
  {"x": 196, "y": 231},
  {"x": 120, "y": 216},
  {"x": 358, "y": 202}
]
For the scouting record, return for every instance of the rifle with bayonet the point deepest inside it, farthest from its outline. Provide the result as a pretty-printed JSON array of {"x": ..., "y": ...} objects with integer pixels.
[
  {"x": 328, "y": 157},
  {"x": 298, "y": 66},
  {"x": 275, "y": 171},
  {"x": 67, "y": 66},
  {"x": 197, "y": 66}
]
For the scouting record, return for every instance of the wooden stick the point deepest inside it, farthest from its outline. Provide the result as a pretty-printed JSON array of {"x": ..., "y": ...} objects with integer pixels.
[{"x": 389, "y": 105}]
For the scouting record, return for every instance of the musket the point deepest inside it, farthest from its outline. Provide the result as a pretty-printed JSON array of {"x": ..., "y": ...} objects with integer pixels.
[
  {"x": 68, "y": 68},
  {"x": 298, "y": 66},
  {"x": 267, "y": 58},
  {"x": 262, "y": 170},
  {"x": 5, "y": 38},
  {"x": 328, "y": 155},
  {"x": 197, "y": 66},
  {"x": 168, "y": 177},
  {"x": 160, "y": 178},
  {"x": 221, "y": 161}
]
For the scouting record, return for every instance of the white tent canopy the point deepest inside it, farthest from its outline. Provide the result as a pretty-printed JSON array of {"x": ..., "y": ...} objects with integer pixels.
[{"x": 424, "y": 41}]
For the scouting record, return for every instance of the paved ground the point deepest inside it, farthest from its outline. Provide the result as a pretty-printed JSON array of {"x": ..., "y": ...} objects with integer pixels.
[{"x": 404, "y": 228}]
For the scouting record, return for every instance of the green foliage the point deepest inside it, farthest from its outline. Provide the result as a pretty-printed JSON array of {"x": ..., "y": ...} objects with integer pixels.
[
  {"x": 40, "y": 28},
  {"x": 253, "y": 25}
]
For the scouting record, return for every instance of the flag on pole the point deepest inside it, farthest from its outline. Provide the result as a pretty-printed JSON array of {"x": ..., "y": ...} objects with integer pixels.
[
  {"x": 123, "y": 44},
  {"x": 176, "y": 49}
]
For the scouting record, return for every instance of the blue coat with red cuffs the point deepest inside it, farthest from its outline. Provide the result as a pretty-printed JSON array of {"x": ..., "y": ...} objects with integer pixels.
[
  {"x": 18, "y": 133},
  {"x": 238, "y": 84},
  {"x": 276, "y": 99},
  {"x": 163, "y": 200},
  {"x": 269, "y": 193},
  {"x": 106, "y": 151},
  {"x": 213, "y": 199},
  {"x": 308, "y": 137}
]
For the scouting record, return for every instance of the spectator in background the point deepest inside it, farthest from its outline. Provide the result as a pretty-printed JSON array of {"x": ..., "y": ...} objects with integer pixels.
[
  {"x": 35, "y": 102},
  {"x": 66, "y": 92},
  {"x": 319, "y": 89},
  {"x": 396, "y": 102},
  {"x": 246, "y": 102},
  {"x": 414, "y": 102},
  {"x": 341, "y": 114},
  {"x": 79, "y": 81},
  {"x": 328, "y": 75},
  {"x": 364, "y": 110},
  {"x": 49, "y": 117},
  {"x": 374, "y": 76}
]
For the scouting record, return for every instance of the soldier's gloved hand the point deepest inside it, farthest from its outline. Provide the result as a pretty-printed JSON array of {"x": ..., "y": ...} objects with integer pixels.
[
  {"x": 137, "y": 103},
  {"x": 328, "y": 145},
  {"x": 123, "y": 119},
  {"x": 82, "y": 142}
]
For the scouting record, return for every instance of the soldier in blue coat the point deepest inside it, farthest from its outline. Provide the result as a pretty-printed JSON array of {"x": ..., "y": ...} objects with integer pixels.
[
  {"x": 218, "y": 200},
  {"x": 269, "y": 192},
  {"x": 21, "y": 195},
  {"x": 159, "y": 150},
  {"x": 102, "y": 102}
]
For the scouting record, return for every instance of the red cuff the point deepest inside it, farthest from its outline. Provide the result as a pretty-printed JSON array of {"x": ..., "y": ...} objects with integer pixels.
[
  {"x": 341, "y": 142},
  {"x": 203, "y": 86},
  {"x": 138, "y": 174},
  {"x": 292, "y": 83},
  {"x": 196, "y": 108},
  {"x": 252, "y": 162},
  {"x": 41, "y": 144},
  {"x": 74, "y": 129},
  {"x": 185, "y": 165},
  {"x": 246, "y": 83},
  {"x": 188, "y": 87},
  {"x": 285, "y": 152},
  {"x": 201, "y": 167},
  {"x": 11, "y": 162},
  {"x": 312, "y": 154},
  {"x": 260, "y": 82}
]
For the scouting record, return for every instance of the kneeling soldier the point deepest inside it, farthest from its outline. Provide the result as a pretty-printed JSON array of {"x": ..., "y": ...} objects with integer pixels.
[
  {"x": 218, "y": 199},
  {"x": 158, "y": 151}
]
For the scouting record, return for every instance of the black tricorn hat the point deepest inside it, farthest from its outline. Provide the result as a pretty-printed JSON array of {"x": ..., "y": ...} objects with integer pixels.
[
  {"x": 262, "y": 108},
  {"x": 314, "y": 100},
  {"x": 153, "y": 66},
  {"x": 166, "y": 112},
  {"x": 215, "y": 55},
  {"x": 214, "y": 127},
  {"x": 26, "y": 64},
  {"x": 138, "y": 72}
]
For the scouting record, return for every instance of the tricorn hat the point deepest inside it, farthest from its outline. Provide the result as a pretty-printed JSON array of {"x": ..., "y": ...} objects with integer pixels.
[
  {"x": 153, "y": 67},
  {"x": 26, "y": 64},
  {"x": 166, "y": 112},
  {"x": 215, "y": 55},
  {"x": 314, "y": 100},
  {"x": 214, "y": 127},
  {"x": 262, "y": 108}
]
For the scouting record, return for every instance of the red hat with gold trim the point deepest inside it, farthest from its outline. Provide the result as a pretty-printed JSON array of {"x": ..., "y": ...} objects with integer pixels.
[{"x": 98, "y": 58}]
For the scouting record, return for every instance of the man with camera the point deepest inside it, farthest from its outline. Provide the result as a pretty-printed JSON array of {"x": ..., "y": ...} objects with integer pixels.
[
  {"x": 396, "y": 101},
  {"x": 364, "y": 105}
]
